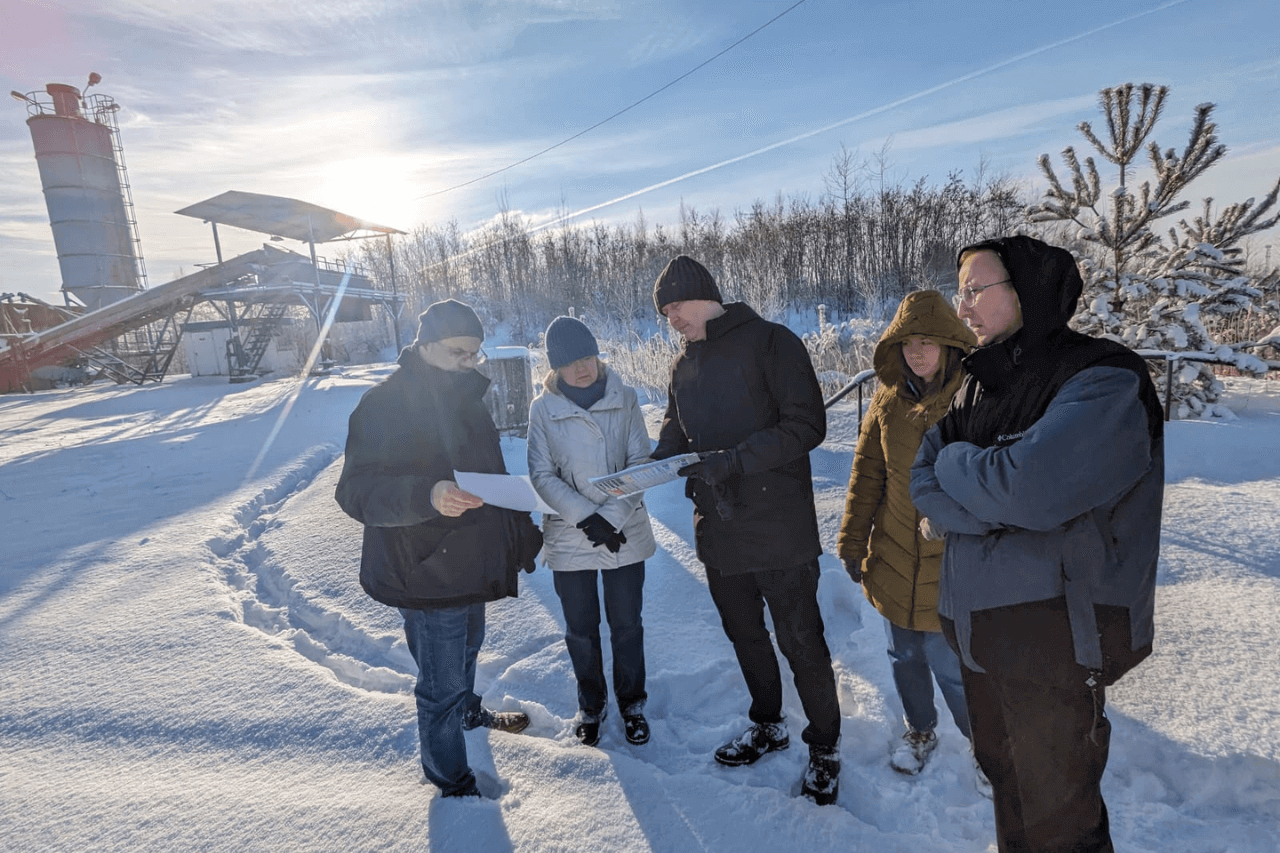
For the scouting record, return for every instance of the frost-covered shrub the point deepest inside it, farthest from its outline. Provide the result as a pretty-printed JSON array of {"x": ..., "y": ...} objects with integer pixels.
[
  {"x": 842, "y": 350},
  {"x": 1172, "y": 292}
]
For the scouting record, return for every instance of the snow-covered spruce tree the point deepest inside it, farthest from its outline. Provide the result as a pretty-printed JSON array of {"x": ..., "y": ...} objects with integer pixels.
[{"x": 1146, "y": 290}]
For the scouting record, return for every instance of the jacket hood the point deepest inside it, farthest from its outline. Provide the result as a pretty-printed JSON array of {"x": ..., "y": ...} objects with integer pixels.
[
  {"x": 735, "y": 314},
  {"x": 1046, "y": 279},
  {"x": 921, "y": 312}
]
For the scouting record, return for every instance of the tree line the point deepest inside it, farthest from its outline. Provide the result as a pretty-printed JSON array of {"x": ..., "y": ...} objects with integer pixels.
[
  {"x": 1153, "y": 280},
  {"x": 857, "y": 249}
]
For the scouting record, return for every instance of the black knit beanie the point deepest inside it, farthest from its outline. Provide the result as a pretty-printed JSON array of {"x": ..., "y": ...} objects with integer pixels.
[
  {"x": 568, "y": 340},
  {"x": 448, "y": 319},
  {"x": 684, "y": 278}
]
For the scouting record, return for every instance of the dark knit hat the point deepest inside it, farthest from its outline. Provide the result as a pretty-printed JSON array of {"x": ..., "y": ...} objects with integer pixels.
[
  {"x": 684, "y": 278},
  {"x": 448, "y": 319},
  {"x": 569, "y": 340}
]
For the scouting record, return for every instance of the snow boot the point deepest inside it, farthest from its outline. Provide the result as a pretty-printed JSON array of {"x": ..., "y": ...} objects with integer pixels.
[
  {"x": 913, "y": 752},
  {"x": 502, "y": 721},
  {"x": 822, "y": 777},
  {"x": 637, "y": 728},
  {"x": 747, "y": 747},
  {"x": 469, "y": 789},
  {"x": 588, "y": 729}
]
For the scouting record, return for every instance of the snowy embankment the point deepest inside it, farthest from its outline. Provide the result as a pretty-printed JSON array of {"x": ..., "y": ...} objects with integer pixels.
[{"x": 189, "y": 663}]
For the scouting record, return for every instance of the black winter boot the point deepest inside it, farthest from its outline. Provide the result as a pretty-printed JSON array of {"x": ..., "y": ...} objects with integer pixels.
[
  {"x": 822, "y": 777},
  {"x": 502, "y": 721},
  {"x": 747, "y": 747},
  {"x": 588, "y": 729},
  {"x": 637, "y": 728}
]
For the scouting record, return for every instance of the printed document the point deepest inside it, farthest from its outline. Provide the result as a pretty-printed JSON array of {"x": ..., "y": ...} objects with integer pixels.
[{"x": 637, "y": 478}]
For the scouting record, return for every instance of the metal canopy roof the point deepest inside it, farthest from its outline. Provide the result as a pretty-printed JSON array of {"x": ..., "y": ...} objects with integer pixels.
[{"x": 279, "y": 216}]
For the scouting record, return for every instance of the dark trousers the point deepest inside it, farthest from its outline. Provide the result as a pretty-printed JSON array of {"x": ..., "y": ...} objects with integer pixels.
[
  {"x": 792, "y": 596},
  {"x": 1044, "y": 746},
  {"x": 579, "y": 594}
]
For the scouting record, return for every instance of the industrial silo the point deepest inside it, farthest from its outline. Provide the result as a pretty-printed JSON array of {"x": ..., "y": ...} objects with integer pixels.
[{"x": 86, "y": 190}]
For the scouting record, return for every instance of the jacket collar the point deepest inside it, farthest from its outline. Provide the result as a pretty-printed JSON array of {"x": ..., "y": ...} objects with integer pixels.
[
  {"x": 559, "y": 406},
  {"x": 735, "y": 314},
  {"x": 467, "y": 383}
]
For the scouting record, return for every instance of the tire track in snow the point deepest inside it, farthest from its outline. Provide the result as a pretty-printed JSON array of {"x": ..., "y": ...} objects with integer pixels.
[{"x": 266, "y": 597}]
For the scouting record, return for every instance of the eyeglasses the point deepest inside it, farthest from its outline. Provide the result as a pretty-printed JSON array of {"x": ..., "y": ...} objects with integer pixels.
[
  {"x": 462, "y": 356},
  {"x": 967, "y": 296}
]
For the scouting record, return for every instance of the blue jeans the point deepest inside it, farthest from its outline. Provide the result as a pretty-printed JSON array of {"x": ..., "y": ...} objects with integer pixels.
[
  {"x": 913, "y": 654},
  {"x": 623, "y": 600},
  {"x": 445, "y": 643}
]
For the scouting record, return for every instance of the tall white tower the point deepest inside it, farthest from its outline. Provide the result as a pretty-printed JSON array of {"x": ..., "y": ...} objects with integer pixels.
[{"x": 86, "y": 189}]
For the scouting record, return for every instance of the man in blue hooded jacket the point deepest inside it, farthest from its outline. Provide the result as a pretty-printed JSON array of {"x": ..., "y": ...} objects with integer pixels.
[{"x": 1046, "y": 477}]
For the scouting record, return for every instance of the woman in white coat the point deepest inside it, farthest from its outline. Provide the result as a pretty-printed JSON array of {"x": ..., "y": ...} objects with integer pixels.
[{"x": 587, "y": 423}]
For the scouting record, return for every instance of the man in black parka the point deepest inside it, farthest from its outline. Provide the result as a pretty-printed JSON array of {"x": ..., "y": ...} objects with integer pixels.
[
  {"x": 431, "y": 549},
  {"x": 744, "y": 396}
]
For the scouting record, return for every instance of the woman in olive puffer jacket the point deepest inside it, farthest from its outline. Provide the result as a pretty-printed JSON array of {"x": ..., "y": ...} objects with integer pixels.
[{"x": 917, "y": 362}]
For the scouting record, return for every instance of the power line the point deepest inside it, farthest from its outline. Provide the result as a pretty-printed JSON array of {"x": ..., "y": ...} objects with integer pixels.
[
  {"x": 906, "y": 99},
  {"x": 619, "y": 112},
  {"x": 922, "y": 93}
]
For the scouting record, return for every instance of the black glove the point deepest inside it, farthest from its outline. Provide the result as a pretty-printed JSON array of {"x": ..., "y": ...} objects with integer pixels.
[
  {"x": 713, "y": 466},
  {"x": 854, "y": 568},
  {"x": 601, "y": 532},
  {"x": 616, "y": 541},
  {"x": 528, "y": 542}
]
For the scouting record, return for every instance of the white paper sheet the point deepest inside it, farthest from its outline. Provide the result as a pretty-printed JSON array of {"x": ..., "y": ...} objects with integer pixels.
[{"x": 513, "y": 491}]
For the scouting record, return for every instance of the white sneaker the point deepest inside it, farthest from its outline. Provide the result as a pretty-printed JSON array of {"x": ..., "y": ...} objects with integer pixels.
[{"x": 913, "y": 752}]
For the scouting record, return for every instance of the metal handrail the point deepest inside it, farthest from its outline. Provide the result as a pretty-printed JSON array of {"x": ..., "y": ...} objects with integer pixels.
[
  {"x": 855, "y": 384},
  {"x": 1172, "y": 358}
]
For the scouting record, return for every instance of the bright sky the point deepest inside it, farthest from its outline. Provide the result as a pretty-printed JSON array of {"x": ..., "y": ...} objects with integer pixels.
[{"x": 374, "y": 108}]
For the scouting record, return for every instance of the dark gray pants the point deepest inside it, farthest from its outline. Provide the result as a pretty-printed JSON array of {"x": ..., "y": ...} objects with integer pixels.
[
  {"x": 1044, "y": 746},
  {"x": 623, "y": 600},
  {"x": 792, "y": 596}
]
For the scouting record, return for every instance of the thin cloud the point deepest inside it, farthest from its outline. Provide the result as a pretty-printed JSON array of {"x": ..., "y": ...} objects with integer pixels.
[{"x": 993, "y": 126}]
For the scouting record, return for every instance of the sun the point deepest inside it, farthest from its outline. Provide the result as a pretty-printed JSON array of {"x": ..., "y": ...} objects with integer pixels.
[{"x": 372, "y": 188}]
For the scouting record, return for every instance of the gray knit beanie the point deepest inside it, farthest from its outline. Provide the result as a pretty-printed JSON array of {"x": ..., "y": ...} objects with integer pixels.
[
  {"x": 448, "y": 318},
  {"x": 684, "y": 278},
  {"x": 569, "y": 340}
]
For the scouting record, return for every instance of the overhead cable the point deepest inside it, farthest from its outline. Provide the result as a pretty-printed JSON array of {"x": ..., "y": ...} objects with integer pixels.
[{"x": 619, "y": 112}]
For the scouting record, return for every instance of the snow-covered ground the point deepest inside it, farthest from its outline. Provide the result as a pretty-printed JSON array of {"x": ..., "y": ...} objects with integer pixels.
[{"x": 190, "y": 664}]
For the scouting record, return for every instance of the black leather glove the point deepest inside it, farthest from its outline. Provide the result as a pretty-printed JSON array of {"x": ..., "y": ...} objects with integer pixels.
[
  {"x": 600, "y": 532},
  {"x": 713, "y": 466},
  {"x": 854, "y": 568}
]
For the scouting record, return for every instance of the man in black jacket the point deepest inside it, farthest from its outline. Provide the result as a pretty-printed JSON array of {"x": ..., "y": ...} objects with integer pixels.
[
  {"x": 432, "y": 550},
  {"x": 744, "y": 396}
]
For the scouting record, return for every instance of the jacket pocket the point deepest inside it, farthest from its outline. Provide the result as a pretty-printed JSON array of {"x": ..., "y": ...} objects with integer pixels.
[{"x": 454, "y": 567}]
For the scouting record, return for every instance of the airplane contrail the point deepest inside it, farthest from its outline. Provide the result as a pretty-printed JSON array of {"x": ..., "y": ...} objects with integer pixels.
[
  {"x": 915, "y": 96},
  {"x": 906, "y": 99}
]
